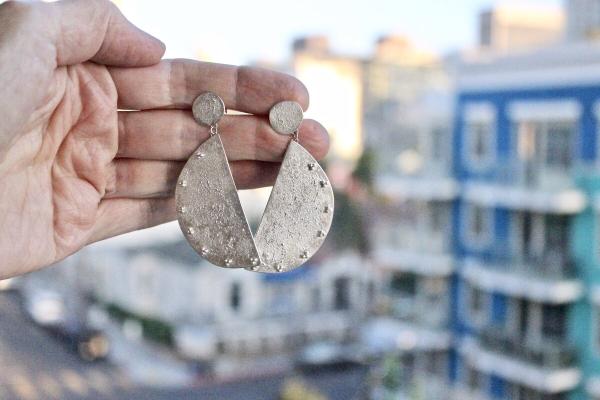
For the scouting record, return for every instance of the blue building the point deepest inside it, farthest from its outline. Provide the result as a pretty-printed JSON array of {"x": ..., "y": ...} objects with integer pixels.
[{"x": 525, "y": 151}]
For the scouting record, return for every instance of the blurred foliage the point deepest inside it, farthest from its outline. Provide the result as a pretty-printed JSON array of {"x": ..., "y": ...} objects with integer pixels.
[
  {"x": 348, "y": 228},
  {"x": 391, "y": 373},
  {"x": 364, "y": 171},
  {"x": 152, "y": 329}
]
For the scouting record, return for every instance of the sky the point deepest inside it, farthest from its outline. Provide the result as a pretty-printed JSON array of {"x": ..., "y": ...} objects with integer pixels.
[{"x": 240, "y": 32}]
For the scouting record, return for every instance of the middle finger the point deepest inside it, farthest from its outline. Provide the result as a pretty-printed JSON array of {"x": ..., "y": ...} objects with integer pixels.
[{"x": 173, "y": 135}]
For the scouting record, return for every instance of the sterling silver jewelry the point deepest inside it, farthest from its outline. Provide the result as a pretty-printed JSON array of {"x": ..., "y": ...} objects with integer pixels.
[
  {"x": 298, "y": 214},
  {"x": 209, "y": 210},
  {"x": 300, "y": 209}
]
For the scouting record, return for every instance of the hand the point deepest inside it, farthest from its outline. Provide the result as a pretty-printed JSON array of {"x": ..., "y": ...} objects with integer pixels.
[{"x": 73, "y": 168}]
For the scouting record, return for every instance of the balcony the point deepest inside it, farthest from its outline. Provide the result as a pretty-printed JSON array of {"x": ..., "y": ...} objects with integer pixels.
[
  {"x": 415, "y": 261},
  {"x": 429, "y": 187},
  {"x": 548, "y": 366},
  {"x": 552, "y": 265},
  {"x": 407, "y": 309},
  {"x": 549, "y": 278},
  {"x": 518, "y": 186},
  {"x": 546, "y": 353},
  {"x": 387, "y": 334},
  {"x": 405, "y": 246}
]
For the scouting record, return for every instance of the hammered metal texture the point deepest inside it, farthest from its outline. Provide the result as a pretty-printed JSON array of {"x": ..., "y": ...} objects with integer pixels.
[
  {"x": 285, "y": 117},
  {"x": 210, "y": 213},
  {"x": 298, "y": 214},
  {"x": 208, "y": 108}
]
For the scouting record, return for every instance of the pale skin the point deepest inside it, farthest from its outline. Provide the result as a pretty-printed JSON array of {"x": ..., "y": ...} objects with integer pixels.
[{"x": 74, "y": 168}]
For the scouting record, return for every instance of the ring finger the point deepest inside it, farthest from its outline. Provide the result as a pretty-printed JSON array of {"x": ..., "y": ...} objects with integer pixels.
[
  {"x": 174, "y": 135},
  {"x": 129, "y": 178}
]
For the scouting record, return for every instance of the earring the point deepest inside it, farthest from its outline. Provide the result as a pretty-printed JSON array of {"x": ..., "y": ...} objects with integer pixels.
[
  {"x": 299, "y": 212},
  {"x": 209, "y": 210}
]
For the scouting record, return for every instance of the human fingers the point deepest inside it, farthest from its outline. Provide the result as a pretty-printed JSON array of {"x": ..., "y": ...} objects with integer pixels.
[
  {"x": 118, "y": 216},
  {"x": 129, "y": 178},
  {"x": 174, "y": 135},
  {"x": 176, "y": 83}
]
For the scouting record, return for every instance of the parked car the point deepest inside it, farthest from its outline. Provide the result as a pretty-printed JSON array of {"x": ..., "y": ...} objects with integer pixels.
[
  {"x": 47, "y": 309},
  {"x": 90, "y": 344}
]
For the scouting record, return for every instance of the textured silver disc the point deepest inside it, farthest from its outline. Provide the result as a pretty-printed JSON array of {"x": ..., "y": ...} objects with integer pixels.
[
  {"x": 285, "y": 117},
  {"x": 209, "y": 209},
  {"x": 298, "y": 214},
  {"x": 208, "y": 108}
]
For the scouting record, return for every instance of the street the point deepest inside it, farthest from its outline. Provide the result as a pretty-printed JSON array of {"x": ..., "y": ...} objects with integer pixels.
[{"x": 35, "y": 366}]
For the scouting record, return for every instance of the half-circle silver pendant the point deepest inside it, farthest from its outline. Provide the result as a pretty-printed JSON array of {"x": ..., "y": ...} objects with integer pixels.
[{"x": 296, "y": 220}]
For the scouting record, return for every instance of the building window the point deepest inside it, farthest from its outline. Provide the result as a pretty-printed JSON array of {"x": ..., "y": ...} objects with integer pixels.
[
  {"x": 235, "y": 296},
  {"x": 478, "y": 226},
  {"x": 559, "y": 147},
  {"x": 341, "y": 299},
  {"x": 403, "y": 284},
  {"x": 435, "y": 363},
  {"x": 434, "y": 289},
  {"x": 475, "y": 305},
  {"x": 480, "y": 143},
  {"x": 554, "y": 321},
  {"x": 479, "y": 134},
  {"x": 473, "y": 380},
  {"x": 438, "y": 217},
  {"x": 543, "y": 147}
]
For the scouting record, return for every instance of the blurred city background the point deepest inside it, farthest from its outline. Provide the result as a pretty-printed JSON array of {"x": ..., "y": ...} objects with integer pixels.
[{"x": 464, "y": 257}]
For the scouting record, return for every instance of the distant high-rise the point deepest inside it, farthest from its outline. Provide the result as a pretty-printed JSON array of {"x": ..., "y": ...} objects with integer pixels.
[
  {"x": 335, "y": 83},
  {"x": 583, "y": 19},
  {"x": 516, "y": 28}
]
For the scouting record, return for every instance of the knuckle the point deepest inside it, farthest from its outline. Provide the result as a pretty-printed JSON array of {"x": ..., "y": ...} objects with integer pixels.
[
  {"x": 318, "y": 138},
  {"x": 303, "y": 93},
  {"x": 298, "y": 90}
]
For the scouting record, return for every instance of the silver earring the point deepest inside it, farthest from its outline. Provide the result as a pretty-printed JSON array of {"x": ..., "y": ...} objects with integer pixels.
[
  {"x": 209, "y": 210},
  {"x": 300, "y": 209},
  {"x": 298, "y": 214}
]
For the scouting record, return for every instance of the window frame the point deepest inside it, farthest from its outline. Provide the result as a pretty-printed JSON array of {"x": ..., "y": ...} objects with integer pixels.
[
  {"x": 478, "y": 319},
  {"x": 468, "y": 238},
  {"x": 483, "y": 379},
  {"x": 482, "y": 113}
]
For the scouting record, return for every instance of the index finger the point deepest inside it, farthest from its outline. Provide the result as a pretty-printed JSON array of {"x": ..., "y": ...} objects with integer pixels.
[{"x": 176, "y": 83}]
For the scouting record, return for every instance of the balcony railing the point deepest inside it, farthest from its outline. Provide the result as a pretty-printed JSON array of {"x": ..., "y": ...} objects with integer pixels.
[
  {"x": 408, "y": 238},
  {"x": 410, "y": 310},
  {"x": 551, "y": 353},
  {"x": 524, "y": 174},
  {"x": 552, "y": 265}
]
